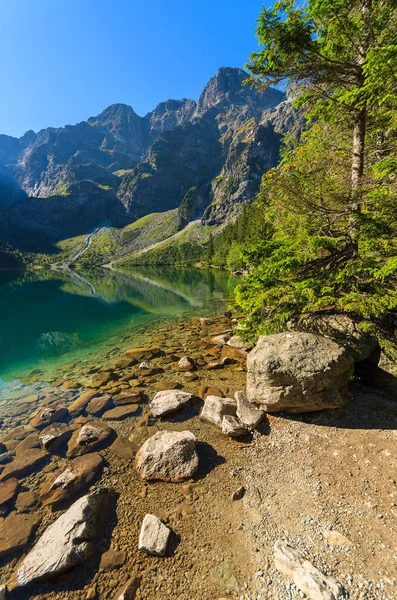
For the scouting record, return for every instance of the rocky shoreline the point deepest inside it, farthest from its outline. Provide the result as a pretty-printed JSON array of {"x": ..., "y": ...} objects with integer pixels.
[{"x": 197, "y": 486}]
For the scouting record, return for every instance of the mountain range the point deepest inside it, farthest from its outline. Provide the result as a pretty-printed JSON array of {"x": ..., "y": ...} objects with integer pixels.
[{"x": 202, "y": 159}]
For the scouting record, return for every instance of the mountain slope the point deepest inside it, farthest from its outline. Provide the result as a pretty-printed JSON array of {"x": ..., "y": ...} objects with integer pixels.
[{"x": 206, "y": 158}]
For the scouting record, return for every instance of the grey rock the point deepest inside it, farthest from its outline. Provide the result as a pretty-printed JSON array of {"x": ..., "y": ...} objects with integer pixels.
[
  {"x": 215, "y": 408},
  {"x": 246, "y": 412},
  {"x": 169, "y": 456},
  {"x": 220, "y": 340},
  {"x": 236, "y": 342},
  {"x": 186, "y": 364},
  {"x": 52, "y": 437},
  {"x": 154, "y": 536},
  {"x": 66, "y": 543},
  {"x": 232, "y": 426},
  {"x": 307, "y": 578},
  {"x": 343, "y": 330},
  {"x": 297, "y": 372},
  {"x": 169, "y": 401}
]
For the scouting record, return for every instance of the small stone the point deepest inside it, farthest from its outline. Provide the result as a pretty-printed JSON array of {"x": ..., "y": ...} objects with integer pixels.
[
  {"x": 169, "y": 456},
  {"x": 68, "y": 481},
  {"x": 236, "y": 342},
  {"x": 112, "y": 559},
  {"x": 98, "y": 405},
  {"x": 79, "y": 405},
  {"x": 154, "y": 536},
  {"x": 26, "y": 501},
  {"x": 8, "y": 491},
  {"x": 239, "y": 493},
  {"x": 220, "y": 340},
  {"x": 120, "y": 412},
  {"x": 305, "y": 575},
  {"x": 128, "y": 590},
  {"x": 91, "y": 436},
  {"x": 24, "y": 464},
  {"x": 336, "y": 538},
  {"x": 53, "y": 436},
  {"x": 215, "y": 408},
  {"x": 186, "y": 364},
  {"x": 123, "y": 448},
  {"x": 128, "y": 397},
  {"x": 168, "y": 402},
  {"x": 232, "y": 426},
  {"x": 15, "y": 532},
  {"x": 47, "y": 416},
  {"x": 248, "y": 414}
]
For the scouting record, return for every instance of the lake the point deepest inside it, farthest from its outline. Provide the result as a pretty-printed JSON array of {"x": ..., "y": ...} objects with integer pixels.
[{"x": 50, "y": 319}]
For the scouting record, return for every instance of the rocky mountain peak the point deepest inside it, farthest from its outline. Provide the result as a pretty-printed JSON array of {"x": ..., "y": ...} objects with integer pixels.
[{"x": 227, "y": 88}]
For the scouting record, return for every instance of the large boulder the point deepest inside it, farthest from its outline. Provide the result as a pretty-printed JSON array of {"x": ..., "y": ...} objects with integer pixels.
[
  {"x": 297, "y": 372},
  {"x": 169, "y": 456},
  {"x": 66, "y": 543},
  {"x": 343, "y": 330}
]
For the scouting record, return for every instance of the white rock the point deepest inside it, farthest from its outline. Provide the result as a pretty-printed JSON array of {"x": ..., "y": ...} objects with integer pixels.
[
  {"x": 246, "y": 412},
  {"x": 236, "y": 342},
  {"x": 169, "y": 456},
  {"x": 128, "y": 590},
  {"x": 169, "y": 401},
  {"x": 64, "y": 544},
  {"x": 154, "y": 536},
  {"x": 186, "y": 364},
  {"x": 215, "y": 408},
  {"x": 297, "y": 372},
  {"x": 305, "y": 575},
  {"x": 220, "y": 340},
  {"x": 145, "y": 366},
  {"x": 233, "y": 427}
]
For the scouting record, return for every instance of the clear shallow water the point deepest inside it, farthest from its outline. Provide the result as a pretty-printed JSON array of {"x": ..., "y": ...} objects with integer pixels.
[{"x": 50, "y": 318}]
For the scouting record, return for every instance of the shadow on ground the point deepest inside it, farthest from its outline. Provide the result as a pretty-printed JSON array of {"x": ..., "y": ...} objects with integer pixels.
[{"x": 372, "y": 404}]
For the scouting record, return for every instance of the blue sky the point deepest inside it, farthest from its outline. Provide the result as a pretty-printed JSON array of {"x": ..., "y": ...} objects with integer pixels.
[{"x": 63, "y": 61}]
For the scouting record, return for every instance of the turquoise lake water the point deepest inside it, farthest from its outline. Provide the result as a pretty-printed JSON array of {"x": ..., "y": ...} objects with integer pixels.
[{"x": 48, "y": 318}]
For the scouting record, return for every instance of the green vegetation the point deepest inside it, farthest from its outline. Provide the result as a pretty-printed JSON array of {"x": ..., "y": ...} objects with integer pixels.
[{"x": 329, "y": 208}]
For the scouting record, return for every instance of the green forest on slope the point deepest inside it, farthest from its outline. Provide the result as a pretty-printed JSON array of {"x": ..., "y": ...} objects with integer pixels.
[{"x": 327, "y": 225}]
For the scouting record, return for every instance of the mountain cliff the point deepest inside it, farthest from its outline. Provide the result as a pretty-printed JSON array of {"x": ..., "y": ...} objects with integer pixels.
[{"x": 117, "y": 167}]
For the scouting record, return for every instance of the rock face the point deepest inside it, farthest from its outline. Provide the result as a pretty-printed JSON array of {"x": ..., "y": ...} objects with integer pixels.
[
  {"x": 306, "y": 577},
  {"x": 169, "y": 401},
  {"x": 197, "y": 158},
  {"x": 297, "y": 372},
  {"x": 169, "y": 456},
  {"x": 66, "y": 543},
  {"x": 154, "y": 536}
]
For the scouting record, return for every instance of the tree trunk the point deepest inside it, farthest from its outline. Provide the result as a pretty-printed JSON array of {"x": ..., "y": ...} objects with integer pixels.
[{"x": 358, "y": 149}]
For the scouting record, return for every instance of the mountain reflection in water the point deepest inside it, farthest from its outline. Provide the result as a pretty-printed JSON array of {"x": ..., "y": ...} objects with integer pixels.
[{"x": 46, "y": 314}]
